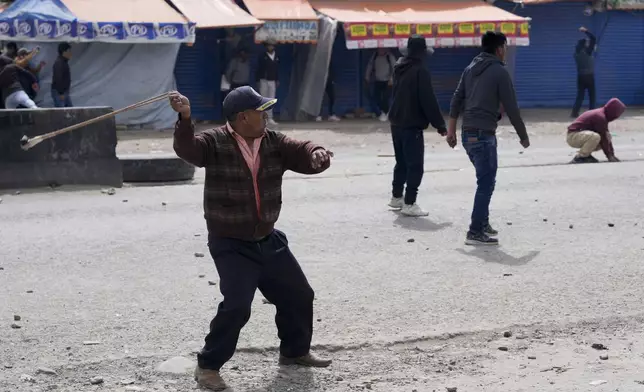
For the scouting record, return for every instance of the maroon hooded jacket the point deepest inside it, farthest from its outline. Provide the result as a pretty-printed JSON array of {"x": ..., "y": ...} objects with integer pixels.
[{"x": 597, "y": 120}]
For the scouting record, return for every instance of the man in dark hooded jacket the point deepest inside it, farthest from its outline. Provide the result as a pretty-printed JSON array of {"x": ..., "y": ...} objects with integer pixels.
[
  {"x": 414, "y": 107},
  {"x": 484, "y": 86},
  {"x": 589, "y": 132}
]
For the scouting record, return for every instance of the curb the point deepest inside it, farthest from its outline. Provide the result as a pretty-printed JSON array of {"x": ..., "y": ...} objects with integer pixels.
[{"x": 155, "y": 168}]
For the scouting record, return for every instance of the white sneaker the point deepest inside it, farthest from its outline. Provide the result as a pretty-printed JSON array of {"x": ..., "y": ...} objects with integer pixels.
[
  {"x": 413, "y": 210},
  {"x": 396, "y": 203},
  {"x": 271, "y": 122},
  {"x": 334, "y": 118},
  {"x": 318, "y": 118},
  {"x": 383, "y": 117}
]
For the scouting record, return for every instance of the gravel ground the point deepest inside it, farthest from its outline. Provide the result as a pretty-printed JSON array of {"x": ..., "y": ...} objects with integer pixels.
[{"x": 108, "y": 287}]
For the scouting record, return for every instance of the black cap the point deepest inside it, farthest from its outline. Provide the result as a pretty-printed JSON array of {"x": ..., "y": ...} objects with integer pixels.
[
  {"x": 246, "y": 98},
  {"x": 416, "y": 44}
]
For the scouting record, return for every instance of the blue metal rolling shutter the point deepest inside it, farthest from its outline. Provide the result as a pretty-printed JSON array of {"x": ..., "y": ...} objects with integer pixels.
[
  {"x": 545, "y": 71},
  {"x": 446, "y": 66},
  {"x": 348, "y": 84},
  {"x": 619, "y": 64},
  {"x": 198, "y": 74}
]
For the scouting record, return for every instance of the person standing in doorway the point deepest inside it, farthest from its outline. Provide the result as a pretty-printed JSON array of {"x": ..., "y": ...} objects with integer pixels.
[
  {"x": 329, "y": 91},
  {"x": 378, "y": 76},
  {"x": 584, "y": 57},
  {"x": 414, "y": 107},
  {"x": 62, "y": 80},
  {"x": 238, "y": 72},
  {"x": 268, "y": 75},
  {"x": 245, "y": 163},
  {"x": 484, "y": 88}
]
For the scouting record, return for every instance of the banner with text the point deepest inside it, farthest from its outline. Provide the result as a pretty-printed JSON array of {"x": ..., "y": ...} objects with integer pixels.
[
  {"x": 383, "y": 35},
  {"x": 288, "y": 31}
]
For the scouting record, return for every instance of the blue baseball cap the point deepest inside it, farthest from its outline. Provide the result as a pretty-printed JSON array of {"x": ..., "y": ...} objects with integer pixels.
[{"x": 246, "y": 98}]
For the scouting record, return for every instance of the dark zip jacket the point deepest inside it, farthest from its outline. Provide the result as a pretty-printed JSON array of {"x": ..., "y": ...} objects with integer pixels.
[
  {"x": 61, "y": 80},
  {"x": 584, "y": 55},
  {"x": 414, "y": 102},
  {"x": 484, "y": 86}
]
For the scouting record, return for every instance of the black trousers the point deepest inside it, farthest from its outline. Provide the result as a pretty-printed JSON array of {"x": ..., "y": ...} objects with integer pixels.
[
  {"x": 585, "y": 82},
  {"x": 330, "y": 95},
  {"x": 244, "y": 267},
  {"x": 381, "y": 95},
  {"x": 409, "y": 149}
]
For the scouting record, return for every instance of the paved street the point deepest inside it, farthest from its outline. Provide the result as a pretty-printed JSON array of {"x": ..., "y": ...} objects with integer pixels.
[{"x": 109, "y": 285}]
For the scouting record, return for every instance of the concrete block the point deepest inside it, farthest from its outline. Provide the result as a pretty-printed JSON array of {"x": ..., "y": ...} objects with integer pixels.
[{"x": 86, "y": 156}]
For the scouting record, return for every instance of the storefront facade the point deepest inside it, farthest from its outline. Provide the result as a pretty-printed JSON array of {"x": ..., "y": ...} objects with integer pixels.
[{"x": 545, "y": 72}]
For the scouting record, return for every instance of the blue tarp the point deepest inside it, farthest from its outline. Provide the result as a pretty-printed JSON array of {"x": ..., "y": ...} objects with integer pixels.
[
  {"x": 51, "y": 20},
  {"x": 37, "y": 20}
]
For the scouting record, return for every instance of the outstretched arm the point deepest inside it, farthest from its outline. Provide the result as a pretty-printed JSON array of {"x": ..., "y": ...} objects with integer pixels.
[{"x": 303, "y": 157}]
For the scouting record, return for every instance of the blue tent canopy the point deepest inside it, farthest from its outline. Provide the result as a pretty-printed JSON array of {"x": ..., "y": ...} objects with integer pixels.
[
  {"x": 51, "y": 20},
  {"x": 37, "y": 20}
]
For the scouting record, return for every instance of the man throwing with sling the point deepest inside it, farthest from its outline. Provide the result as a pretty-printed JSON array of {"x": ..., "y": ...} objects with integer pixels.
[{"x": 244, "y": 164}]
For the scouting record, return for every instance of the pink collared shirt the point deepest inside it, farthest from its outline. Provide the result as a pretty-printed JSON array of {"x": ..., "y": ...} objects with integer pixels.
[{"x": 251, "y": 156}]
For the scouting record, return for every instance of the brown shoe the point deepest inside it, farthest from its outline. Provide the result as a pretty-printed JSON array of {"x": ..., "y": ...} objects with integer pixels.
[
  {"x": 209, "y": 379},
  {"x": 308, "y": 360}
]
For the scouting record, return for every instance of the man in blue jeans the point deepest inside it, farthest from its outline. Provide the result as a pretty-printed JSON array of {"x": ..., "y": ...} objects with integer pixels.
[{"x": 485, "y": 89}]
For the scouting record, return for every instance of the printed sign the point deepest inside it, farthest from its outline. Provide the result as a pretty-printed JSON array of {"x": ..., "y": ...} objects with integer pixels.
[
  {"x": 424, "y": 29},
  {"x": 379, "y": 35},
  {"x": 402, "y": 29},
  {"x": 485, "y": 27},
  {"x": 508, "y": 28},
  {"x": 466, "y": 28},
  {"x": 290, "y": 31},
  {"x": 380, "y": 30},
  {"x": 445, "y": 29}
]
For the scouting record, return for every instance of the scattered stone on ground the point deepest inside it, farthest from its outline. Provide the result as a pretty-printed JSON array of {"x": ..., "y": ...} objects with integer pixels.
[
  {"x": 599, "y": 346},
  {"x": 91, "y": 343},
  {"x": 96, "y": 380},
  {"x": 603, "y": 357},
  {"x": 44, "y": 370},
  {"x": 411, "y": 240},
  {"x": 27, "y": 378},
  {"x": 202, "y": 275},
  {"x": 503, "y": 348},
  {"x": 176, "y": 365},
  {"x": 199, "y": 254},
  {"x": 16, "y": 317},
  {"x": 16, "y": 326},
  {"x": 507, "y": 334},
  {"x": 212, "y": 283},
  {"x": 611, "y": 225}
]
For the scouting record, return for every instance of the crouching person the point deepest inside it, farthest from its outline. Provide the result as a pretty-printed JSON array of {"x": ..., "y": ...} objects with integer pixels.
[{"x": 589, "y": 132}]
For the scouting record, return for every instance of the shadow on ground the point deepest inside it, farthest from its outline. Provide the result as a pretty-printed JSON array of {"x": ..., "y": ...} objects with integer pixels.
[
  {"x": 419, "y": 224},
  {"x": 288, "y": 379},
  {"x": 497, "y": 255}
]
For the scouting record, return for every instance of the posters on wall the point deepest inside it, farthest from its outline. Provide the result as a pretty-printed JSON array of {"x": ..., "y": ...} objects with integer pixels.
[
  {"x": 383, "y": 35},
  {"x": 288, "y": 31}
]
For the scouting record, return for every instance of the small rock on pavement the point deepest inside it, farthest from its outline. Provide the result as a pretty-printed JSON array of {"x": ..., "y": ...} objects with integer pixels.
[
  {"x": 133, "y": 388},
  {"x": 44, "y": 370},
  {"x": 603, "y": 357},
  {"x": 339, "y": 378},
  {"x": 96, "y": 380},
  {"x": 17, "y": 193},
  {"x": 127, "y": 382},
  {"x": 176, "y": 365},
  {"x": 571, "y": 227},
  {"x": 91, "y": 343},
  {"x": 599, "y": 346},
  {"x": 598, "y": 382},
  {"x": 199, "y": 254},
  {"x": 124, "y": 200},
  {"x": 164, "y": 203},
  {"x": 452, "y": 389},
  {"x": 16, "y": 317},
  {"x": 507, "y": 334},
  {"x": 202, "y": 275},
  {"x": 411, "y": 240},
  {"x": 212, "y": 283},
  {"x": 509, "y": 223},
  {"x": 110, "y": 191},
  {"x": 16, "y": 326},
  {"x": 611, "y": 225},
  {"x": 503, "y": 348},
  {"x": 507, "y": 274},
  {"x": 27, "y": 378},
  {"x": 532, "y": 357}
]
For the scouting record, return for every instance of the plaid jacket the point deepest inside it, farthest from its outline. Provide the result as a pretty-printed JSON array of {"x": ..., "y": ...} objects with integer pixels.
[{"x": 229, "y": 196}]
